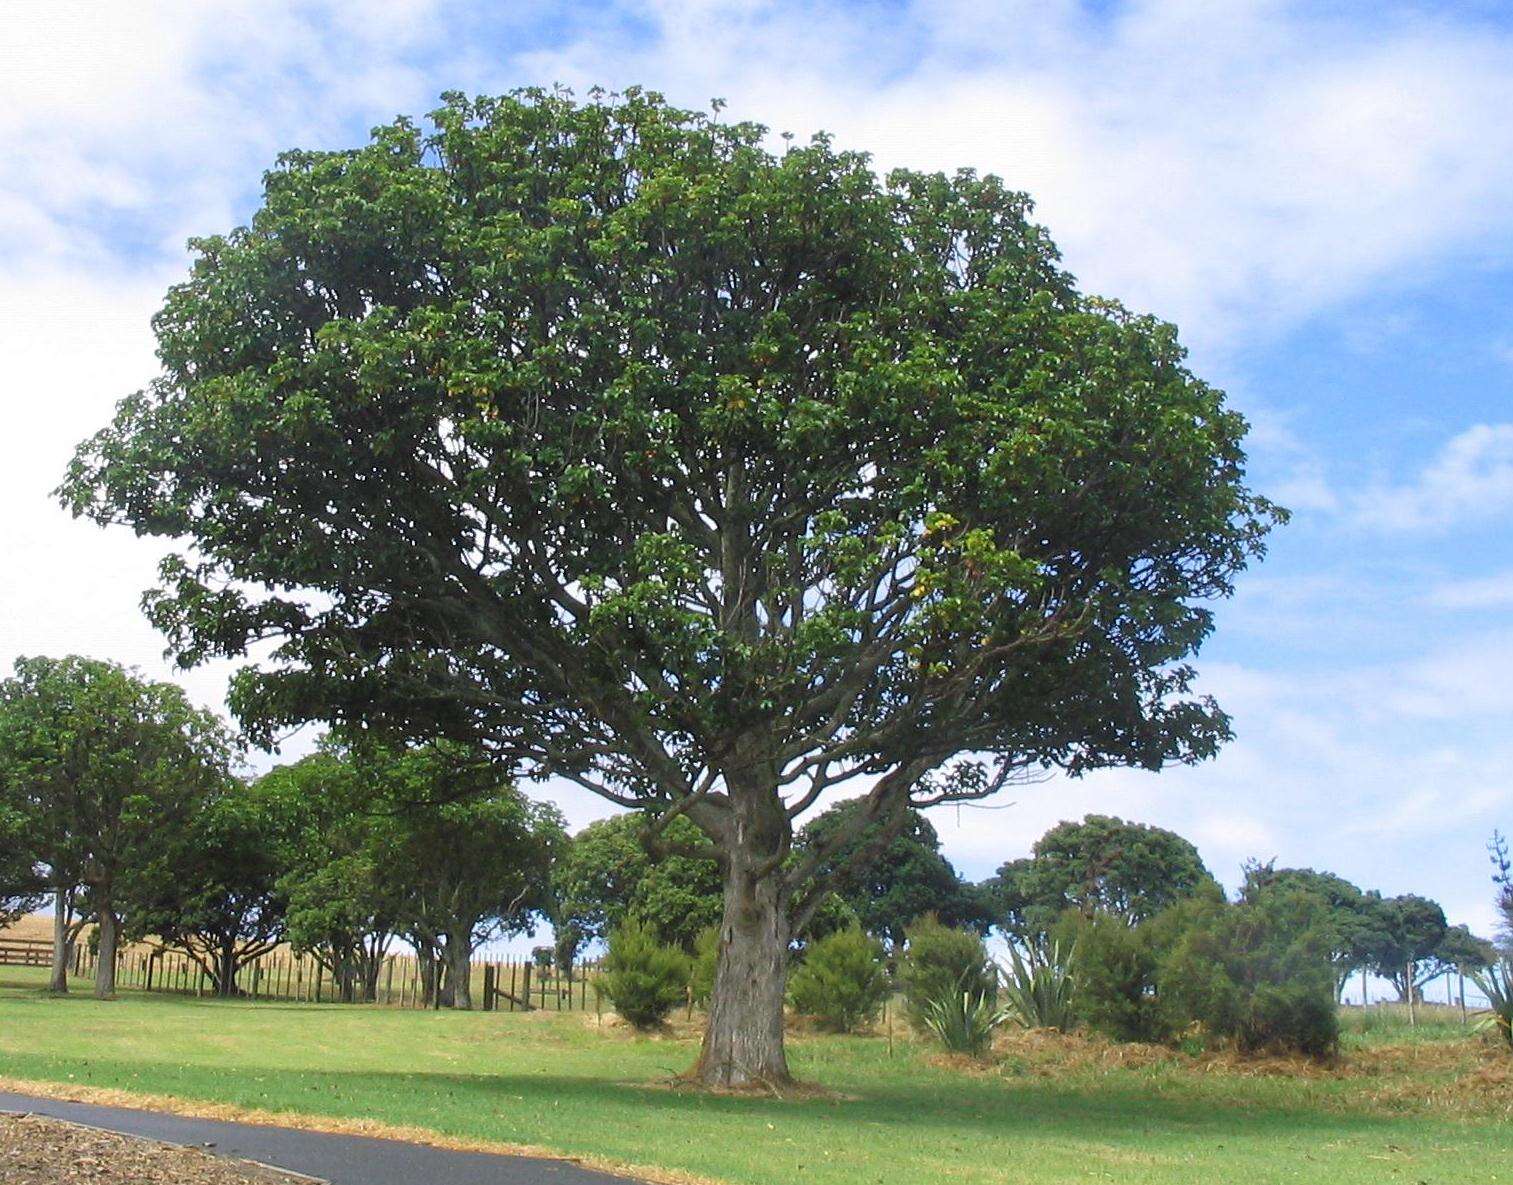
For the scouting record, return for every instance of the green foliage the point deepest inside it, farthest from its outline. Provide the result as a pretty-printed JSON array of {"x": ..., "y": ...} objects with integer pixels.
[
  {"x": 963, "y": 1021},
  {"x": 939, "y": 961},
  {"x": 1099, "y": 865},
  {"x": 1039, "y": 986},
  {"x": 1116, "y": 975},
  {"x": 217, "y": 891},
  {"x": 644, "y": 978},
  {"x": 706, "y": 961},
  {"x": 1257, "y": 973},
  {"x": 103, "y": 771},
  {"x": 1354, "y": 919},
  {"x": 1407, "y": 929},
  {"x": 842, "y": 981},
  {"x": 607, "y": 874},
  {"x": 891, "y": 875},
  {"x": 1496, "y": 983}
]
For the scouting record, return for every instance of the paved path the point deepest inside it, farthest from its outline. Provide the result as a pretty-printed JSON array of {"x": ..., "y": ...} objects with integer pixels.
[{"x": 342, "y": 1160}]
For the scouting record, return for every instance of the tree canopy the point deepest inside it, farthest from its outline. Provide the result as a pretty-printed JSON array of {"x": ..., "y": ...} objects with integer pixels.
[
  {"x": 1132, "y": 871},
  {"x": 706, "y": 477}
]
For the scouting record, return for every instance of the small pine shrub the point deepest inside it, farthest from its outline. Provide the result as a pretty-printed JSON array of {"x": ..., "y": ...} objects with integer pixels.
[
  {"x": 643, "y": 978},
  {"x": 940, "y": 962},
  {"x": 842, "y": 981},
  {"x": 706, "y": 959},
  {"x": 1116, "y": 976},
  {"x": 1257, "y": 974}
]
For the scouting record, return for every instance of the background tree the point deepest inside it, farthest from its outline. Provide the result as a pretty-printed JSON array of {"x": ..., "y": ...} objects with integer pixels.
[
  {"x": 22, "y": 877},
  {"x": 1353, "y": 923},
  {"x": 707, "y": 478},
  {"x": 214, "y": 889},
  {"x": 1407, "y": 932},
  {"x": 607, "y": 875},
  {"x": 342, "y": 904},
  {"x": 1130, "y": 871},
  {"x": 111, "y": 766},
  {"x": 472, "y": 856},
  {"x": 891, "y": 874},
  {"x": 1460, "y": 951}
]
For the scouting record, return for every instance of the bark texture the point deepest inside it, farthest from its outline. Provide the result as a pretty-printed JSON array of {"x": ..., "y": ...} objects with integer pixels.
[
  {"x": 460, "y": 961},
  {"x": 58, "y": 979},
  {"x": 743, "y": 1043},
  {"x": 105, "y": 969}
]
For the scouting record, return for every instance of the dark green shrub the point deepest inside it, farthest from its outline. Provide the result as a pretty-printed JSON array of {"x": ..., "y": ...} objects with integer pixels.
[
  {"x": 842, "y": 981},
  {"x": 1116, "y": 976},
  {"x": 1257, "y": 974},
  {"x": 643, "y": 978},
  {"x": 940, "y": 962}
]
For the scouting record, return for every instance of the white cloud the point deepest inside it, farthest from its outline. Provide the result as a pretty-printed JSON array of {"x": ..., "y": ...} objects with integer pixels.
[
  {"x": 1469, "y": 480},
  {"x": 1487, "y": 592},
  {"x": 1236, "y": 167}
]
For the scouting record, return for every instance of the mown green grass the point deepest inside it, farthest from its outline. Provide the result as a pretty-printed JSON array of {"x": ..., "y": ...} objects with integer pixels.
[{"x": 556, "y": 1081}]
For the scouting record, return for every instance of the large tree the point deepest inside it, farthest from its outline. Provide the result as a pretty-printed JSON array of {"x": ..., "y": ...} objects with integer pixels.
[
  {"x": 1131, "y": 871},
  {"x": 110, "y": 767},
  {"x": 1407, "y": 933},
  {"x": 708, "y": 478}
]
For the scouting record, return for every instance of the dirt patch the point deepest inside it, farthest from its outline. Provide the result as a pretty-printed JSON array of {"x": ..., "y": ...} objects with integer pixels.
[{"x": 39, "y": 1151}]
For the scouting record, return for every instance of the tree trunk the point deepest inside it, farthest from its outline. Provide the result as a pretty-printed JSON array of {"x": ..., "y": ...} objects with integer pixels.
[
  {"x": 58, "y": 980},
  {"x": 743, "y": 1042},
  {"x": 226, "y": 969},
  {"x": 425, "y": 962},
  {"x": 460, "y": 969},
  {"x": 105, "y": 968}
]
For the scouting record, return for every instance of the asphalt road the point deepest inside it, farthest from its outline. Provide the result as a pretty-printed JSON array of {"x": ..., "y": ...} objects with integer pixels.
[{"x": 342, "y": 1160}]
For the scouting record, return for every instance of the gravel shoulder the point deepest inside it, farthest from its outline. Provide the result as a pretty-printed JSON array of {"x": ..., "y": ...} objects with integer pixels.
[
  {"x": 331, "y": 1157},
  {"x": 36, "y": 1150}
]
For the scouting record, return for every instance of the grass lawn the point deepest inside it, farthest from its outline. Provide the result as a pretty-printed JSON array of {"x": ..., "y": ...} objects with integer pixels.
[{"x": 1431, "y": 1106}]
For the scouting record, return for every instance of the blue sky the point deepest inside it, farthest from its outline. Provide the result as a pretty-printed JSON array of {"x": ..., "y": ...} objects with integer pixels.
[{"x": 1318, "y": 195}]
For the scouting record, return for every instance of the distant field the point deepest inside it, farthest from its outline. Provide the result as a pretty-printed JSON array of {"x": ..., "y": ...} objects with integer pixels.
[{"x": 1433, "y": 1105}]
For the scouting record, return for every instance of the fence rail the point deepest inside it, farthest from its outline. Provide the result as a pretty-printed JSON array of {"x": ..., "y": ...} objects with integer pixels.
[
  {"x": 25, "y": 952},
  {"x": 513, "y": 985}
]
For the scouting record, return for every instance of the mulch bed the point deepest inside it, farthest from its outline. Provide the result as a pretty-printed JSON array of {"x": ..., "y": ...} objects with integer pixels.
[{"x": 39, "y": 1151}]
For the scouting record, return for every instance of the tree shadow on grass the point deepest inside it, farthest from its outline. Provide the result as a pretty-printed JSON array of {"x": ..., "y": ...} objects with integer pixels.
[{"x": 498, "y": 1107}]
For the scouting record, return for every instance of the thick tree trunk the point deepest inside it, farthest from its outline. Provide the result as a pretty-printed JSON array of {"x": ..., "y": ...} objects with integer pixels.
[
  {"x": 62, "y": 948},
  {"x": 105, "y": 969},
  {"x": 460, "y": 969},
  {"x": 743, "y": 1042}
]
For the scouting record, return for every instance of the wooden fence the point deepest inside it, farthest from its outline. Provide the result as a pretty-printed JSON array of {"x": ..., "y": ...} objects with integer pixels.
[
  {"x": 513, "y": 985},
  {"x": 25, "y": 952}
]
